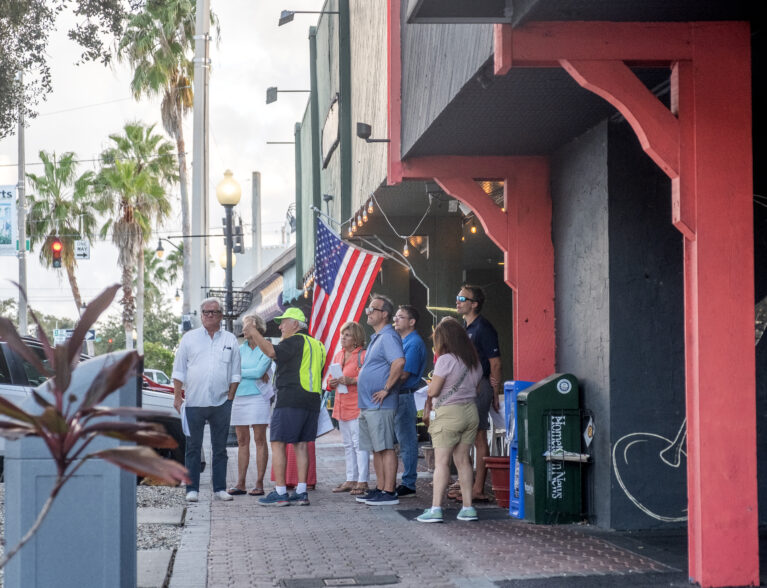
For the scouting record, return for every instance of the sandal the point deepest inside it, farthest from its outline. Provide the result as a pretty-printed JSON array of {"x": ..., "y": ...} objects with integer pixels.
[
  {"x": 360, "y": 489},
  {"x": 257, "y": 492},
  {"x": 234, "y": 491},
  {"x": 345, "y": 487},
  {"x": 454, "y": 494}
]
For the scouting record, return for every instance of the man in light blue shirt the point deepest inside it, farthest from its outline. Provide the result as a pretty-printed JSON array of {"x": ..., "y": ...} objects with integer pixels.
[
  {"x": 405, "y": 320},
  {"x": 207, "y": 368},
  {"x": 377, "y": 386}
]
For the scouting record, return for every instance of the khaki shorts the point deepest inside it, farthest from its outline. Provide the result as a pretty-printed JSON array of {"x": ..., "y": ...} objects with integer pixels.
[
  {"x": 376, "y": 429},
  {"x": 454, "y": 424}
]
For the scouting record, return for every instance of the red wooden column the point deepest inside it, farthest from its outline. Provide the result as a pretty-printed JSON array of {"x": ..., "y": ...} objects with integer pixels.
[
  {"x": 715, "y": 189},
  {"x": 707, "y": 153},
  {"x": 522, "y": 231},
  {"x": 530, "y": 269}
]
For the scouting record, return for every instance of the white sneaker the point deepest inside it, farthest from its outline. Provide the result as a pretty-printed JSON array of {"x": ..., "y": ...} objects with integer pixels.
[
  {"x": 192, "y": 496},
  {"x": 222, "y": 495}
]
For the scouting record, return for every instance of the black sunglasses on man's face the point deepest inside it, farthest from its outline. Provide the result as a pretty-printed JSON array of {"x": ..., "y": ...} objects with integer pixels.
[{"x": 464, "y": 299}]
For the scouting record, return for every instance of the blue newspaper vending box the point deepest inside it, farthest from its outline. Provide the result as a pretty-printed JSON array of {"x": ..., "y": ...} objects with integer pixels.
[{"x": 517, "y": 481}]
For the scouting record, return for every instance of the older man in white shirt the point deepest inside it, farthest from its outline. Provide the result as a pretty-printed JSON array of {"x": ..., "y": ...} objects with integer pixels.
[{"x": 207, "y": 367}]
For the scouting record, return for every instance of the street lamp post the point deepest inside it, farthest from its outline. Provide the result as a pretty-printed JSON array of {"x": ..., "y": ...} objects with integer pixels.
[{"x": 228, "y": 193}]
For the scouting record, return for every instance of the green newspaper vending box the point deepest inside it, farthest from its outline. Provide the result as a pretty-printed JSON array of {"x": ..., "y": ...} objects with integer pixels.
[{"x": 550, "y": 448}]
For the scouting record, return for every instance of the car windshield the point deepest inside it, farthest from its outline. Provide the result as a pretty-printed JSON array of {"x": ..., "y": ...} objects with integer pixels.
[
  {"x": 34, "y": 377},
  {"x": 159, "y": 377}
]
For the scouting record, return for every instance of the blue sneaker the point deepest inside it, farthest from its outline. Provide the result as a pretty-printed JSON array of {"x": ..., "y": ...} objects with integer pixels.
[
  {"x": 274, "y": 499},
  {"x": 468, "y": 513},
  {"x": 383, "y": 499},
  {"x": 368, "y": 495},
  {"x": 301, "y": 499},
  {"x": 429, "y": 516}
]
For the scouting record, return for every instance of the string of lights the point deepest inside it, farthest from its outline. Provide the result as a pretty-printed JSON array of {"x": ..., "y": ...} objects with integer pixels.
[{"x": 362, "y": 215}]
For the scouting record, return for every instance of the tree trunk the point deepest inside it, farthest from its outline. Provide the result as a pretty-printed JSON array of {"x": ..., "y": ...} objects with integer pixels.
[
  {"x": 140, "y": 305},
  {"x": 186, "y": 221},
  {"x": 74, "y": 287},
  {"x": 128, "y": 303}
]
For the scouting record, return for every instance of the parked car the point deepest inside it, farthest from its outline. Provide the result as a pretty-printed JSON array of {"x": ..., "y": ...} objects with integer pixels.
[
  {"x": 158, "y": 376},
  {"x": 18, "y": 377}
]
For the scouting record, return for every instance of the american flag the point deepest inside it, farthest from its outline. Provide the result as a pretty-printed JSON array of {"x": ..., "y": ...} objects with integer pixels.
[{"x": 343, "y": 278}]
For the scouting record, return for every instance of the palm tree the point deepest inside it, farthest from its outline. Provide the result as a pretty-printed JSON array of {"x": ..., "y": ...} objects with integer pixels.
[
  {"x": 160, "y": 274},
  {"x": 131, "y": 185},
  {"x": 158, "y": 43},
  {"x": 62, "y": 208}
]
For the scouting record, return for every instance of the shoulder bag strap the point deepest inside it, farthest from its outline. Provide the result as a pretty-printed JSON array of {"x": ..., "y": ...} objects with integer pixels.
[{"x": 442, "y": 399}]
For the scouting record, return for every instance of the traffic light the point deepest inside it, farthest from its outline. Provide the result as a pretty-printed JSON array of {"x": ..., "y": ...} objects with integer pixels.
[
  {"x": 237, "y": 244},
  {"x": 56, "y": 247}
]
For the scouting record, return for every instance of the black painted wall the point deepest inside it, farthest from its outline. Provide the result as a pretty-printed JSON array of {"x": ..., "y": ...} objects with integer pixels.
[
  {"x": 582, "y": 292},
  {"x": 619, "y": 305},
  {"x": 759, "y": 98},
  {"x": 647, "y": 381}
]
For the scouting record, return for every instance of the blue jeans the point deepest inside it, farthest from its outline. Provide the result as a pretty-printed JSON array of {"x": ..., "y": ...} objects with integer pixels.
[
  {"x": 407, "y": 436},
  {"x": 218, "y": 419}
]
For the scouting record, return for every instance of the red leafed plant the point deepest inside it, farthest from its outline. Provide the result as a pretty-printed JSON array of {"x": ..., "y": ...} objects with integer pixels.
[{"x": 67, "y": 428}]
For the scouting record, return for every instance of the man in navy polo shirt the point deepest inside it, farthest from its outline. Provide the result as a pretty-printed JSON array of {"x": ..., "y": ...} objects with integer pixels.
[
  {"x": 405, "y": 320},
  {"x": 377, "y": 386},
  {"x": 483, "y": 335}
]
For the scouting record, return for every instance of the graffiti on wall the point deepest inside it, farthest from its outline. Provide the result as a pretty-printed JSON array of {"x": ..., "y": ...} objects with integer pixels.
[{"x": 646, "y": 462}]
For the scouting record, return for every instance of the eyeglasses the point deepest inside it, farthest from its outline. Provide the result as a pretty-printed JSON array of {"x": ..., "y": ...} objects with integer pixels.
[
  {"x": 464, "y": 299},
  {"x": 211, "y": 312},
  {"x": 371, "y": 310},
  {"x": 399, "y": 317}
]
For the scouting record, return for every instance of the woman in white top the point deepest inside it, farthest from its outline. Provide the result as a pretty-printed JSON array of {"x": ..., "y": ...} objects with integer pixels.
[
  {"x": 252, "y": 407},
  {"x": 451, "y": 415}
]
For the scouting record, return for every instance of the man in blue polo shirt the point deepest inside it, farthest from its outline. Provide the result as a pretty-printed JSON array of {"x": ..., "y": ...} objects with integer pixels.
[
  {"x": 377, "y": 386},
  {"x": 483, "y": 335},
  {"x": 405, "y": 320}
]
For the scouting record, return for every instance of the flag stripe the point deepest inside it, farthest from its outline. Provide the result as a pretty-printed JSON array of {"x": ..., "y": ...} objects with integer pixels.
[
  {"x": 352, "y": 301},
  {"x": 348, "y": 285},
  {"x": 358, "y": 301},
  {"x": 349, "y": 273},
  {"x": 340, "y": 292}
]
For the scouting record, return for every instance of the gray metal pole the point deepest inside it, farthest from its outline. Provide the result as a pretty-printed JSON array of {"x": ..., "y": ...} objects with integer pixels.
[
  {"x": 199, "y": 254},
  {"x": 21, "y": 203},
  {"x": 229, "y": 305},
  {"x": 256, "y": 216}
]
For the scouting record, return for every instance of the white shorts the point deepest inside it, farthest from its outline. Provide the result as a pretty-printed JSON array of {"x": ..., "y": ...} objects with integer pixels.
[{"x": 252, "y": 409}]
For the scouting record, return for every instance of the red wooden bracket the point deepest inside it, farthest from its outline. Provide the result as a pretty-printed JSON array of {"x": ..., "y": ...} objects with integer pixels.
[
  {"x": 491, "y": 216},
  {"x": 656, "y": 128}
]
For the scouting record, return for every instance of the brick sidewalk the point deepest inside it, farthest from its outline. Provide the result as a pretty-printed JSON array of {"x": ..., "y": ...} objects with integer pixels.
[{"x": 338, "y": 538}]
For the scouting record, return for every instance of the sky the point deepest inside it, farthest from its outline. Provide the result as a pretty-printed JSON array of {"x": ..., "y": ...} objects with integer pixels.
[{"x": 89, "y": 102}]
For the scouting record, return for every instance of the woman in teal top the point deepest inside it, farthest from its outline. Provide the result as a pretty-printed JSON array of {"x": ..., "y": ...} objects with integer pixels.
[{"x": 252, "y": 406}]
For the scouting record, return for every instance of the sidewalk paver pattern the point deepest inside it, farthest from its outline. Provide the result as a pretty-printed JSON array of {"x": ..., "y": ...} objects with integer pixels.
[{"x": 336, "y": 539}]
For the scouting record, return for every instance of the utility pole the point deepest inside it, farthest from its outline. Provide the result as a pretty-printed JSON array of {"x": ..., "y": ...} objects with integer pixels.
[
  {"x": 21, "y": 204},
  {"x": 199, "y": 253},
  {"x": 256, "y": 218}
]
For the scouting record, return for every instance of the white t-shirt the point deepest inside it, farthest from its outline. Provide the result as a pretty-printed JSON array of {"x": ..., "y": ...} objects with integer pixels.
[{"x": 451, "y": 368}]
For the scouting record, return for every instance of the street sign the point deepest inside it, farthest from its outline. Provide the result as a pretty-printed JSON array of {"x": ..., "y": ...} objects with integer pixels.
[
  {"x": 82, "y": 249},
  {"x": 89, "y": 336}
]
